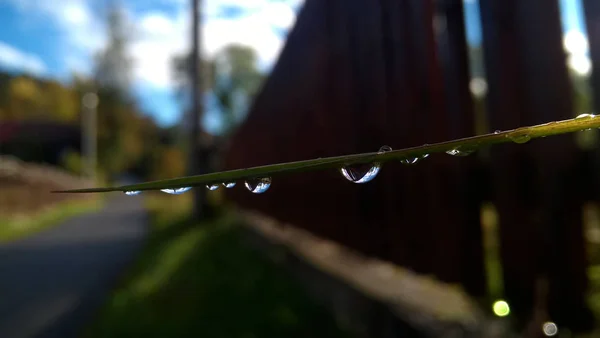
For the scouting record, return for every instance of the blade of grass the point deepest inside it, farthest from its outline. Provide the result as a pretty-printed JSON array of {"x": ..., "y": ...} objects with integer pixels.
[{"x": 519, "y": 135}]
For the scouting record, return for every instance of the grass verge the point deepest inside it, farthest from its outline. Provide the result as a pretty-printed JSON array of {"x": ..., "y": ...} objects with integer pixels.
[
  {"x": 201, "y": 280},
  {"x": 20, "y": 226}
]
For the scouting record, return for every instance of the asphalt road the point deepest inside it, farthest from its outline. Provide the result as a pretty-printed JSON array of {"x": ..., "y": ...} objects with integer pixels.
[{"x": 52, "y": 283}]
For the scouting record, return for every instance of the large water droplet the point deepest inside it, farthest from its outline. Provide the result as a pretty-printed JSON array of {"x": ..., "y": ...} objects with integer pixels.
[
  {"x": 176, "y": 191},
  {"x": 229, "y": 184},
  {"x": 212, "y": 187},
  {"x": 258, "y": 185},
  {"x": 132, "y": 192},
  {"x": 585, "y": 116},
  {"x": 460, "y": 151},
  {"x": 361, "y": 173}
]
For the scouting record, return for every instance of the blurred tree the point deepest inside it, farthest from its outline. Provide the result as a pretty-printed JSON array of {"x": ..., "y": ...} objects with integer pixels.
[
  {"x": 169, "y": 162},
  {"x": 61, "y": 102},
  {"x": 231, "y": 76},
  {"x": 119, "y": 141},
  {"x": 24, "y": 96},
  {"x": 113, "y": 64}
]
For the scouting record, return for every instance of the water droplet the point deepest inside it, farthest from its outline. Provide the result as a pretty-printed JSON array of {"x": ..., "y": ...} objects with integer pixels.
[
  {"x": 229, "y": 185},
  {"x": 414, "y": 160},
  {"x": 520, "y": 139},
  {"x": 176, "y": 191},
  {"x": 497, "y": 131},
  {"x": 458, "y": 151},
  {"x": 384, "y": 149},
  {"x": 212, "y": 187},
  {"x": 132, "y": 192},
  {"x": 585, "y": 116},
  {"x": 258, "y": 185},
  {"x": 361, "y": 173}
]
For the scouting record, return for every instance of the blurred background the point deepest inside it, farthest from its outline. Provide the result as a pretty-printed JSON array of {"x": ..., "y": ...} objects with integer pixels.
[{"x": 503, "y": 243}]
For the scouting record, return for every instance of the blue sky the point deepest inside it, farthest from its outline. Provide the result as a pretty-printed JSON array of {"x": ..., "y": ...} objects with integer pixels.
[{"x": 54, "y": 38}]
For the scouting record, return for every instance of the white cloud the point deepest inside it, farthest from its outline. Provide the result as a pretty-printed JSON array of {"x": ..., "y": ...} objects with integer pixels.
[
  {"x": 160, "y": 36},
  {"x": 17, "y": 59},
  {"x": 75, "y": 13},
  {"x": 78, "y": 24}
]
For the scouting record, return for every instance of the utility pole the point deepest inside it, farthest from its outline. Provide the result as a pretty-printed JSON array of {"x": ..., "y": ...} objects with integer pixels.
[
  {"x": 195, "y": 150},
  {"x": 89, "y": 103}
]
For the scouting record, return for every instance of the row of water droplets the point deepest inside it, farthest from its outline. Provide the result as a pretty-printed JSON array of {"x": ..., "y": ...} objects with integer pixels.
[
  {"x": 257, "y": 186},
  {"x": 363, "y": 173},
  {"x": 522, "y": 135}
]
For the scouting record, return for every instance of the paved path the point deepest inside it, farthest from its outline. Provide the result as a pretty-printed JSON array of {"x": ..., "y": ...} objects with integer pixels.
[{"x": 52, "y": 283}]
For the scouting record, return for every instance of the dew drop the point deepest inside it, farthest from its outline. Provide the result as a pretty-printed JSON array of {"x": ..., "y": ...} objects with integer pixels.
[
  {"x": 458, "y": 151},
  {"x": 585, "y": 116},
  {"x": 229, "y": 185},
  {"x": 414, "y": 160},
  {"x": 497, "y": 131},
  {"x": 212, "y": 187},
  {"x": 132, "y": 192},
  {"x": 520, "y": 139},
  {"x": 361, "y": 173},
  {"x": 384, "y": 149},
  {"x": 176, "y": 191},
  {"x": 258, "y": 185}
]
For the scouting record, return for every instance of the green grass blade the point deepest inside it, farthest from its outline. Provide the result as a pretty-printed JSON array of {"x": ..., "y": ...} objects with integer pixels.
[{"x": 519, "y": 135}]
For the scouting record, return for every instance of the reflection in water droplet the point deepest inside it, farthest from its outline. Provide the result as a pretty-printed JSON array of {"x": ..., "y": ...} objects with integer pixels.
[
  {"x": 585, "y": 116},
  {"x": 361, "y": 173},
  {"x": 458, "y": 151},
  {"x": 384, "y": 149},
  {"x": 550, "y": 329},
  {"x": 229, "y": 184},
  {"x": 413, "y": 160},
  {"x": 132, "y": 192},
  {"x": 212, "y": 187},
  {"x": 258, "y": 185},
  {"x": 176, "y": 191}
]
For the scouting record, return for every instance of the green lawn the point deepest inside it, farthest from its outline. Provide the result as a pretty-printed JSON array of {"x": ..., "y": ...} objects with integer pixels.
[
  {"x": 18, "y": 227},
  {"x": 201, "y": 280}
]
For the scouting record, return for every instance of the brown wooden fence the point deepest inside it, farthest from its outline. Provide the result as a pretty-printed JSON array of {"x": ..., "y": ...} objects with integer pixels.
[{"x": 358, "y": 74}]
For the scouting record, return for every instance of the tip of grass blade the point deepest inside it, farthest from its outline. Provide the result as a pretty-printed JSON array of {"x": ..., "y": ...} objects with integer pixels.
[{"x": 83, "y": 191}]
